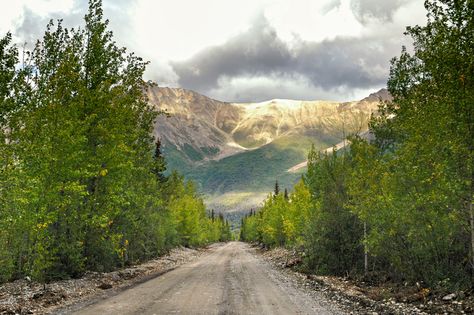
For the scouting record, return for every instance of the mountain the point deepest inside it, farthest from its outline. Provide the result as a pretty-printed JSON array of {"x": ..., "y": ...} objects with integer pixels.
[{"x": 236, "y": 151}]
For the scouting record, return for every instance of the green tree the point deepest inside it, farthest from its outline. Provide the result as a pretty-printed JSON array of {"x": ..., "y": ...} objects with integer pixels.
[
  {"x": 405, "y": 198},
  {"x": 160, "y": 163},
  {"x": 334, "y": 234},
  {"x": 9, "y": 179},
  {"x": 81, "y": 178},
  {"x": 430, "y": 127}
]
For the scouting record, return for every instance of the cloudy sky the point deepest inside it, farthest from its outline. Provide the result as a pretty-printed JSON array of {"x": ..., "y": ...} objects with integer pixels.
[{"x": 246, "y": 50}]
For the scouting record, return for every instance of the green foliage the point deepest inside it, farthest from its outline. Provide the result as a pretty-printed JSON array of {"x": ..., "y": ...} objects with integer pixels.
[
  {"x": 193, "y": 154},
  {"x": 406, "y": 198},
  {"x": 411, "y": 230},
  {"x": 333, "y": 237},
  {"x": 210, "y": 151},
  {"x": 81, "y": 179},
  {"x": 281, "y": 221},
  {"x": 429, "y": 147},
  {"x": 252, "y": 170}
]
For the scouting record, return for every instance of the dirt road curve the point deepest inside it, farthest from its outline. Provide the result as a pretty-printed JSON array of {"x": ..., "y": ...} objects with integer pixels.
[{"x": 229, "y": 280}]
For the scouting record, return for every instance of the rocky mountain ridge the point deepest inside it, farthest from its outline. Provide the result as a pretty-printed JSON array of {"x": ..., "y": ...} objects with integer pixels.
[{"x": 242, "y": 148}]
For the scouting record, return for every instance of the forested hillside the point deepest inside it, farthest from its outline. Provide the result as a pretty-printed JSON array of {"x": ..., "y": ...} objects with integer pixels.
[
  {"x": 82, "y": 184},
  {"x": 400, "y": 206}
]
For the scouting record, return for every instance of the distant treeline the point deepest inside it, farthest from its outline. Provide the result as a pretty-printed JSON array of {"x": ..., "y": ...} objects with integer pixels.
[
  {"x": 401, "y": 205},
  {"x": 81, "y": 177}
]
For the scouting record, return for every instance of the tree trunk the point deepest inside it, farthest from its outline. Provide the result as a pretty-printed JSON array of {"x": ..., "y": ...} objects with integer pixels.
[
  {"x": 471, "y": 214},
  {"x": 366, "y": 250}
]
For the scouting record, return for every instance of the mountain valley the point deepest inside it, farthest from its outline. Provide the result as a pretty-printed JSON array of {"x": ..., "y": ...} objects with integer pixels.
[{"x": 236, "y": 151}]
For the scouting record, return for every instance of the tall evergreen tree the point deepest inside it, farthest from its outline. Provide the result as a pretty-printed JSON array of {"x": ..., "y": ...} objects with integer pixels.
[
  {"x": 159, "y": 162},
  {"x": 276, "y": 191}
]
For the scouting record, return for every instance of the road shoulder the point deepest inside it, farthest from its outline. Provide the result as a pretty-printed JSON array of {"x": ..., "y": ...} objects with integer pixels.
[
  {"x": 348, "y": 295},
  {"x": 27, "y": 297}
]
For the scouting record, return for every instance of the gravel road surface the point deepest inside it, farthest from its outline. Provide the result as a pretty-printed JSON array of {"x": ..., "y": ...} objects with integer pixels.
[{"x": 231, "y": 279}]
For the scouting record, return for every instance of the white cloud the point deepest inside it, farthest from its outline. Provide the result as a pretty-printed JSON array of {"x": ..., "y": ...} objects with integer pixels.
[
  {"x": 175, "y": 31},
  {"x": 263, "y": 88},
  {"x": 13, "y": 11},
  {"x": 311, "y": 21},
  {"x": 8, "y": 15},
  {"x": 45, "y": 7}
]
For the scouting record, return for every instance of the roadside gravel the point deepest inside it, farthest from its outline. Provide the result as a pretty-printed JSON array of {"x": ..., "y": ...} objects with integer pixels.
[
  {"x": 27, "y": 297},
  {"x": 356, "y": 298}
]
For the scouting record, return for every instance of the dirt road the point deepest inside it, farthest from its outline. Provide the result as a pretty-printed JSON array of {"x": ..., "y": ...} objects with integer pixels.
[{"x": 231, "y": 279}]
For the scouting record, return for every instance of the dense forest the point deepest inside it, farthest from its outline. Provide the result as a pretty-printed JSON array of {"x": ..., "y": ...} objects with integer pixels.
[
  {"x": 82, "y": 184},
  {"x": 399, "y": 206}
]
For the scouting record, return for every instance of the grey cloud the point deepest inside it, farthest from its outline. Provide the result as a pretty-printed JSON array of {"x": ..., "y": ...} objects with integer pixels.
[
  {"x": 331, "y": 5},
  {"x": 351, "y": 62},
  {"x": 365, "y": 10},
  {"x": 332, "y": 64},
  {"x": 256, "y": 89},
  {"x": 32, "y": 26},
  {"x": 28, "y": 30},
  {"x": 255, "y": 52}
]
